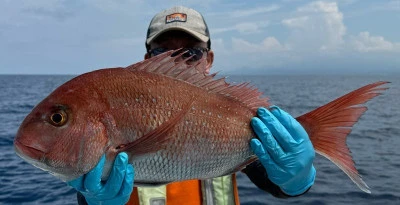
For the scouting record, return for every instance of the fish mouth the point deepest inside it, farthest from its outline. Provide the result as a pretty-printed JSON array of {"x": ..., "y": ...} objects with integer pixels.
[
  {"x": 37, "y": 158},
  {"x": 28, "y": 151}
]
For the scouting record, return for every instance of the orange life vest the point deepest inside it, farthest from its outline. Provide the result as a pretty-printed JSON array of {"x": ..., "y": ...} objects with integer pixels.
[{"x": 187, "y": 192}]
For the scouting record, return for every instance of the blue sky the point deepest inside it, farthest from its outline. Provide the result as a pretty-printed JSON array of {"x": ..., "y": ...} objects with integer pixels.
[{"x": 253, "y": 37}]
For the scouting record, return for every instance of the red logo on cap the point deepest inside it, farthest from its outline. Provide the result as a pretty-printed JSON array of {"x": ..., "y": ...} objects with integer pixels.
[{"x": 176, "y": 17}]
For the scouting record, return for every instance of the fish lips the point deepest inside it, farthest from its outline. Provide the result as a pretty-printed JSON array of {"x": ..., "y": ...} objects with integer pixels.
[
  {"x": 37, "y": 158},
  {"x": 25, "y": 151}
]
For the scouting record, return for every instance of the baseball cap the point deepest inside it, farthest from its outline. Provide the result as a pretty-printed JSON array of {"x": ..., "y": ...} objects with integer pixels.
[{"x": 178, "y": 18}]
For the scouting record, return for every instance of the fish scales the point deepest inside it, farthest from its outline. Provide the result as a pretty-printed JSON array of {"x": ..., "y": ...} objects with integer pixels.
[{"x": 191, "y": 137}]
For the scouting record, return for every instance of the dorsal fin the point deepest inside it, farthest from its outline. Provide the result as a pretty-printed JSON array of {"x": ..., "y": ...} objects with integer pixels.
[{"x": 167, "y": 65}]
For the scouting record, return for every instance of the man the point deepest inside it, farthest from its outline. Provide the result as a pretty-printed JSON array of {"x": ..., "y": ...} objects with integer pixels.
[{"x": 285, "y": 152}]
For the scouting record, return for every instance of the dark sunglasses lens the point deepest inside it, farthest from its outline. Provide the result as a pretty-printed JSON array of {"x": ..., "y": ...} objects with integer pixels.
[
  {"x": 188, "y": 53},
  {"x": 158, "y": 51},
  {"x": 176, "y": 53},
  {"x": 195, "y": 53}
]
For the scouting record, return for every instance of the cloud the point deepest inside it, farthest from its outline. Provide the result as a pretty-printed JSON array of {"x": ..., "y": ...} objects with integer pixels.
[
  {"x": 369, "y": 9},
  {"x": 238, "y": 55},
  {"x": 393, "y": 5},
  {"x": 364, "y": 42},
  {"x": 247, "y": 27},
  {"x": 320, "y": 6},
  {"x": 26, "y": 11},
  {"x": 254, "y": 11},
  {"x": 119, "y": 43},
  {"x": 243, "y": 28},
  {"x": 269, "y": 44},
  {"x": 313, "y": 29},
  {"x": 298, "y": 22},
  {"x": 218, "y": 46},
  {"x": 316, "y": 26},
  {"x": 347, "y": 2}
]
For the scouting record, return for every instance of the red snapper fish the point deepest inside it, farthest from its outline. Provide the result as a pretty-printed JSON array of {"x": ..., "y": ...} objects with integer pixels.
[{"x": 175, "y": 123}]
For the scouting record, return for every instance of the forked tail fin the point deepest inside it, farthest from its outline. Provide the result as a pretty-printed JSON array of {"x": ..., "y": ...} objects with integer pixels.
[{"x": 329, "y": 125}]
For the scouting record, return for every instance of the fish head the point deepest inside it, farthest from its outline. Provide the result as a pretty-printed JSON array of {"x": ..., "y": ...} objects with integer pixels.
[{"x": 63, "y": 134}]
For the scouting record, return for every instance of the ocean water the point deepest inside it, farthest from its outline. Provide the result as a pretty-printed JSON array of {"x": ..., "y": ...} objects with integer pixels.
[{"x": 374, "y": 141}]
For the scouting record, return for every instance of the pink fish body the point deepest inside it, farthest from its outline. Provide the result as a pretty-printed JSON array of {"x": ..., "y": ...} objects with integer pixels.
[{"x": 174, "y": 122}]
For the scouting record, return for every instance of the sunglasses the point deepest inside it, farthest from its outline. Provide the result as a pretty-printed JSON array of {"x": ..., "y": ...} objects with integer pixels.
[{"x": 196, "y": 52}]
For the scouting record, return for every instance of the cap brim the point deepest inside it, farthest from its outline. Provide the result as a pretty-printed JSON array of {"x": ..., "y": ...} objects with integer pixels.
[{"x": 195, "y": 34}]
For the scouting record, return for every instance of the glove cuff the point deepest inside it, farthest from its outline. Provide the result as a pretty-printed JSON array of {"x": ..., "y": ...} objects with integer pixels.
[{"x": 300, "y": 187}]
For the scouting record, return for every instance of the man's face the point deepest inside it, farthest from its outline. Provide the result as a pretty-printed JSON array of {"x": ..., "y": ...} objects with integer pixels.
[{"x": 176, "y": 39}]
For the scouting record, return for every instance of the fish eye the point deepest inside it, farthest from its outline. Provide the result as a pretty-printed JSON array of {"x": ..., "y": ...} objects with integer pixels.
[{"x": 58, "y": 118}]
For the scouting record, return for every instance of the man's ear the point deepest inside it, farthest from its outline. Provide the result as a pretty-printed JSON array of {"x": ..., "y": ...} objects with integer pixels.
[
  {"x": 210, "y": 60},
  {"x": 146, "y": 56}
]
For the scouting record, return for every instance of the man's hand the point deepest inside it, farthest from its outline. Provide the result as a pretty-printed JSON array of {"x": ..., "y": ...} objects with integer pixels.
[
  {"x": 116, "y": 190},
  {"x": 285, "y": 150}
]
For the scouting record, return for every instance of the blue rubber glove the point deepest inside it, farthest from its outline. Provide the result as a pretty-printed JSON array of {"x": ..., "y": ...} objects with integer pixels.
[
  {"x": 285, "y": 150},
  {"x": 116, "y": 190}
]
